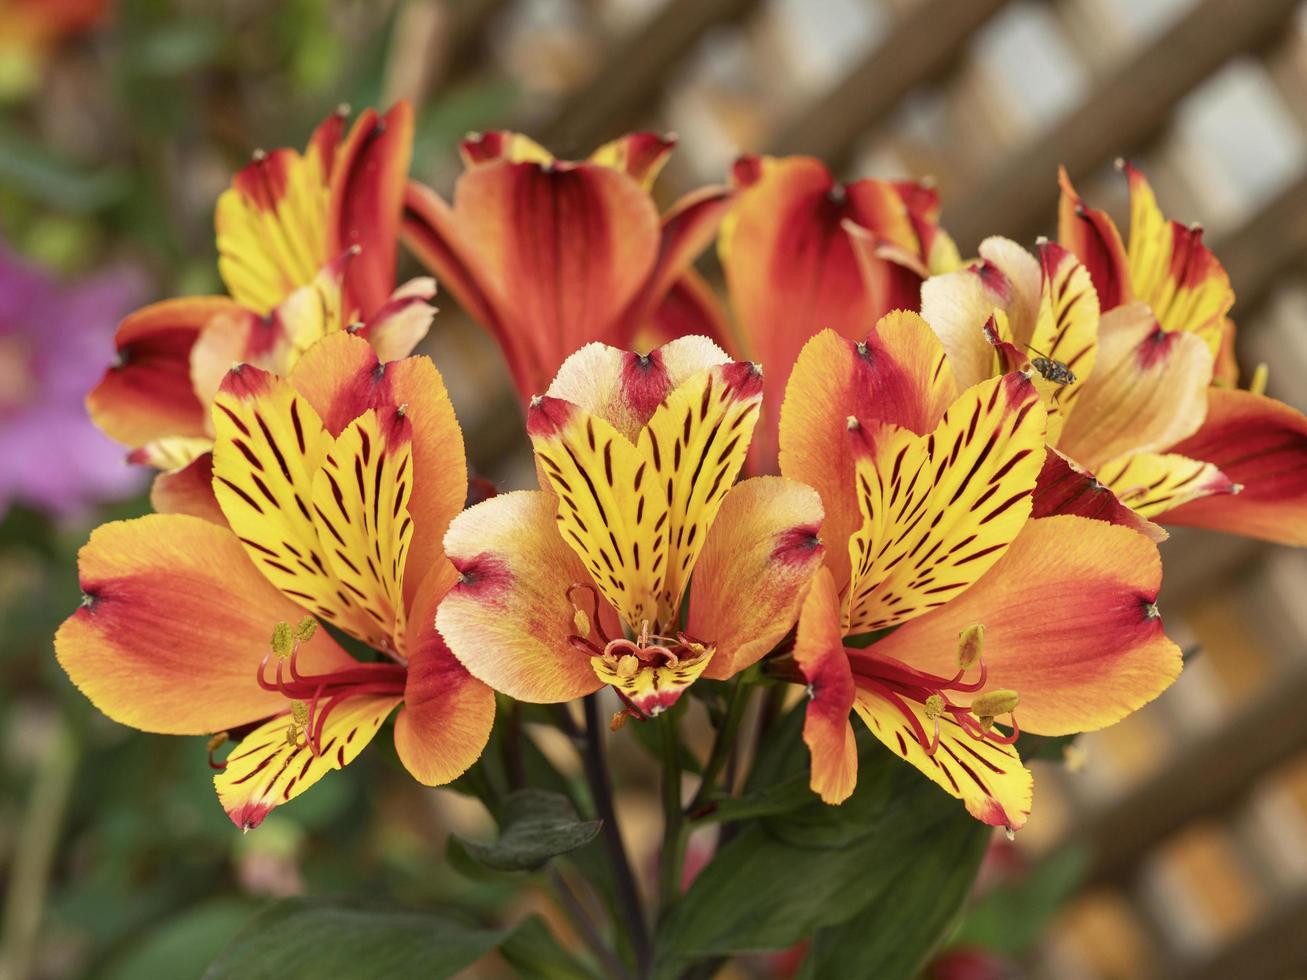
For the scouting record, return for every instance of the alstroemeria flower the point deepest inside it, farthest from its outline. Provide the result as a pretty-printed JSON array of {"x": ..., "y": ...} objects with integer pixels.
[
  {"x": 1258, "y": 443},
  {"x": 803, "y": 252},
  {"x": 549, "y": 255},
  {"x": 567, "y": 589},
  {"x": 306, "y": 246},
  {"x": 957, "y": 607},
  {"x": 337, "y": 485}
]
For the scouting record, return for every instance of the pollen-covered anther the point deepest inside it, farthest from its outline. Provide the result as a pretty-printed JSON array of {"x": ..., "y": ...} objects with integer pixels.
[
  {"x": 283, "y": 640},
  {"x": 581, "y": 622},
  {"x": 299, "y": 711},
  {"x": 971, "y": 644},
  {"x": 935, "y": 706},
  {"x": 627, "y": 666},
  {"x": 993, "y": 703},
  {"x": 308, "y": 626}
]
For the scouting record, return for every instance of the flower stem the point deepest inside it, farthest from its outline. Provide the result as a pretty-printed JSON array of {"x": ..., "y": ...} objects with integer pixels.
[
  {"x": 628, "y": 895},
  {"x": 670, "y": 861},
  {"x": 722, "y": 747},
  {"x": 585, "y": 927}
]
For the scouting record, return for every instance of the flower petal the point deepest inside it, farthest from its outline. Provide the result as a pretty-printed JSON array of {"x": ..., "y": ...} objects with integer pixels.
[
  {"x": 367, "y": 195},
  {"x": 447, "y": 714},
  {"x": 1065, "y": 331},
  {"x": 174, "y": 625},
  {"x": 269, "y": 445},
  {"x": 360, "y": 509},
  {"x": 501, "y": 144},
  {"x": 939, "y": 510},
  {"x": 1070, "y": 623},
  {"x": 755, "y": 567},
  {"x": 265, "y": 770},
  {"x": 188, "y": 490},
  {"x": 819, "y": 652},
  {"x": 562, "y": 250},
  {"x": 1261, "y": 444},
  {"x": 508, "y": 617},
  {"x": 689, "y": 308},
  {"x": 640, "y": 156},
  {"x": 401, "y": 323},
  {"x": 1153, "y": 483},
  {"x": 990, "y": 779},
  {"x": 957, "y": 305},
  {"x": 148, "y": 394},
  {"x": 899, "y": 375},
  {"x": 1148, "y": 390},
  {"x": 1093, "y": 237},
  {"x": 1066, "y": 488}
]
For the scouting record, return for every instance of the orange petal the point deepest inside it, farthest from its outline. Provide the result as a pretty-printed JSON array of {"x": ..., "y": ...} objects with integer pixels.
[
  {"x": 447, "y": 714},
  {"x": 367, "y": 195},
  {"x": 1153, "y": 483},
  {"x": 1260, "y": 444},
  {"x": 1070, "y": 625},
  {"x": 819, "y": 652},
  {"x": 430, "y": 231},
  {"x": 563, "y": 250},
  {"x": 1148, "y": 390},
  {"x": 1066, "y": 488},
  {"x": 1093, "y": 237},
  {"x": 148, "y": 394},
  {"x": 174, "y": 624},
  {"x": 987, "y": 777},
  {"x": 898, "y": 375},
  {"x": 640, "y": 156},
  {"x": 508, "y": 617},
  {"x": 501, "y": 144},
  {"x": 265, "y": 769},
  {"x": 188, "y": 491},
  {"x": 687, "y": 229},
  {"x": 689, "y": 308},
  {"x": 755, "y": 567},
  {"x": 403, "y": 321}
]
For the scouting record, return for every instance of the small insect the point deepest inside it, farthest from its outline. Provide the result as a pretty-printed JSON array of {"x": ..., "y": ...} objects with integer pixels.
[{"x": 1052, "y": 370}]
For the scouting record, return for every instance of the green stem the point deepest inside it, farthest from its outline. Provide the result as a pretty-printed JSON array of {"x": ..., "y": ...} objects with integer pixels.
[
  {"x": 35, "y": 852},
  {"x": 585, "y": 927},
  {"x": 723, "y": 745},
  {"x": 673, "y": 851}
]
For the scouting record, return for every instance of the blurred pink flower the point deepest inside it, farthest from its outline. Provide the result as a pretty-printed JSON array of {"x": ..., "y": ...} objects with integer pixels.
[{"x": 54, "y": 341}]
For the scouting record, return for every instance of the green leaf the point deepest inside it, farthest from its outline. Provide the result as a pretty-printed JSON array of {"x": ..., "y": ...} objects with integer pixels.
[
  {"x": 344, "y": 941},
  {"x": 534, "y": 952},
  {"x": 1012, "y": 917},
  {"x": 785, "y": 877},
  {"x": 535, "y": 826},
  {"x": 184, "y": 945}
]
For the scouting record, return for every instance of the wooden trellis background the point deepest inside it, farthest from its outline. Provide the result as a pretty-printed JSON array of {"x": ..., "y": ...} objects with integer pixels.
[{"x": 1194, "y": 811}]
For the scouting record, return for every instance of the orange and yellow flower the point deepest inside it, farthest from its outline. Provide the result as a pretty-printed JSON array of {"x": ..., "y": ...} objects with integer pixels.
[
  {"x": 336, "y": 486},
  {"x": 944, "y": 604},
  {"x": 803, "y": 252},
  {"x": 306, "y": 248},
  {"x": 549, "y": 255},
  {"x": 1258, "y": 443},
  {"x": 579, "y": 585}
]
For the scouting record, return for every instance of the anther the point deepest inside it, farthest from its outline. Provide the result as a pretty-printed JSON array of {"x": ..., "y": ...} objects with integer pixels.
[
  {"x": 582, "y": 623},
  {"x": 992, "y": 703},
  {"x": 306, "y": 629},
  {"x": 1258, "y": 383},
  {"x": 934, "y": 706},
  {"x": 283, "y": 640},
  {"x": 299, "y": 711}
]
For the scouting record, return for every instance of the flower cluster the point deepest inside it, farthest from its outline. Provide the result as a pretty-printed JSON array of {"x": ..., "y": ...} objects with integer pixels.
[{"x": 884, "y": 479}]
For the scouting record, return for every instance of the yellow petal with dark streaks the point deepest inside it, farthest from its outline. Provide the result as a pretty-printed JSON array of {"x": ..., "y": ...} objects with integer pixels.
[
  {"x": 1066, "y": 333},
  {"x": 360, "y": 508},
  {"x": 268, "y": 446},
  {"x": 990, "y": 779},
  {"x": 939, "y": 510},
  {"x": 696, "y": 443},
  {"x": 266, "y": 770},
  {"x": 611, "y": 509},
  {"x": 1150, "y": 484}
]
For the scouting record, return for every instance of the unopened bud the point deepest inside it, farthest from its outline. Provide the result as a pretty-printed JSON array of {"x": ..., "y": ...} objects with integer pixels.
[
  {"x": 971, "y": 643},
  {"x": 305, "y": 630},
  {"x": 993, "y": 703},
  {"x": 934, "y": 706},
  {"x": 582, "y": 623},
  {"x": 283, "y": 640}
]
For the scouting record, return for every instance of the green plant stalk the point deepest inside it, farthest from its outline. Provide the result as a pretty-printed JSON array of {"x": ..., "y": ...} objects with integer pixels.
[
  {"x": 723, "y": 745},
  {"x": 673, "y": 849}
]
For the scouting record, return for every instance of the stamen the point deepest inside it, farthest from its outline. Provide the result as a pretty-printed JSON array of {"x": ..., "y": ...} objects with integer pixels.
[
  {"x": 215, "y": 743},
  {"x": 971, "y": 643},
  {"x": 283, "y": 640}
]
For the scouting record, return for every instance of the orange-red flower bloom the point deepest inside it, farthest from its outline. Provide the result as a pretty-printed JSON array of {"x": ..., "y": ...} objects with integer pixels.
[
  {"x": 926, "y": 487},
  {"x": 306, "y": 246},
  {"x": 803, "y": 252},
  {"x": 569, "y": 588},
  {"x": 336, "y": 486},
  {"x": 549, "y": 255}
]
